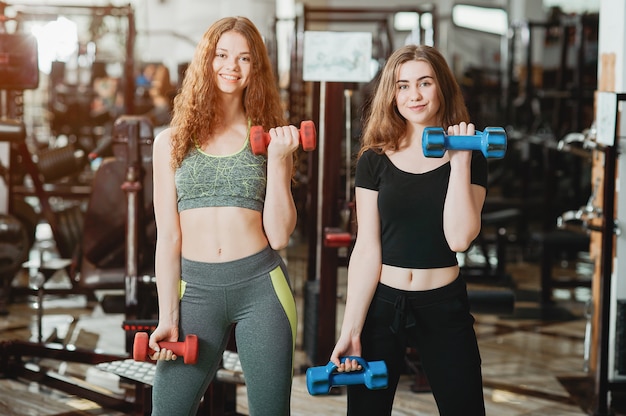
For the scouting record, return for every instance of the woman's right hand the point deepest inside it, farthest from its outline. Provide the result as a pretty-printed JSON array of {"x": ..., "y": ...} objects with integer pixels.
[
  {"x": 346, "y": 346},
  {"x": 163, "y": 333},
  {"x": 284, "y": 141}
]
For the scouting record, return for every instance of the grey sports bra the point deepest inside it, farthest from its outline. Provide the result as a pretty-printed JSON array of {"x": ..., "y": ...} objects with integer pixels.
[{"x": 236, "y": 180}]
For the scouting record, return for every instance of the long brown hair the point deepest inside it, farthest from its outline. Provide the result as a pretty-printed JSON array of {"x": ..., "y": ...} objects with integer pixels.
[
  {"x": 196, "y": 113},
  {"x": 384, "y": 126}
]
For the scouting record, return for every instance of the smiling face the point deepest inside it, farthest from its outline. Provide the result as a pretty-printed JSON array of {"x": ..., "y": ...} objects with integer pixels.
[
  {"x": 232, "y": 63},
  {"x": 416, "y": 93}
]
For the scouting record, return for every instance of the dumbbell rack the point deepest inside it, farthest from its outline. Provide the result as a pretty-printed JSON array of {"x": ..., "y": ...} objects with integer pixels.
[{"x": 143, "y": 371}]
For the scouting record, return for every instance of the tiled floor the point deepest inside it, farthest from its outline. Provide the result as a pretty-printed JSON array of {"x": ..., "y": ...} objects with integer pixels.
[{"x": 531, "y": 365}]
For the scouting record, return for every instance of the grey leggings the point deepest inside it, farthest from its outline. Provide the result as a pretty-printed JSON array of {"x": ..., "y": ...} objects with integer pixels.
[{"x": 253, "y": 294}]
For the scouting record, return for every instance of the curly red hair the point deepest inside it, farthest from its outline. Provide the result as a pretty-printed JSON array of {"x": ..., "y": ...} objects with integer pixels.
[{"x": 196, "y": 113}]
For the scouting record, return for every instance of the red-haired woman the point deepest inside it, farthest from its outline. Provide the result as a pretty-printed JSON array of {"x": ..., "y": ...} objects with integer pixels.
[{"x": 221, "y": 214}]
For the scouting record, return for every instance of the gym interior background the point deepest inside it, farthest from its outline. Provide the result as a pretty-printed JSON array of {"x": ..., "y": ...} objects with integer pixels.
[{"x": 85, "y": 86}]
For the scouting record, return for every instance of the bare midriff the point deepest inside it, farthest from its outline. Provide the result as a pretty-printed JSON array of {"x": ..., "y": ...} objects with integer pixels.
[
  {"x": 417, "y": 279},
  {"x": 231, "y": 233}
]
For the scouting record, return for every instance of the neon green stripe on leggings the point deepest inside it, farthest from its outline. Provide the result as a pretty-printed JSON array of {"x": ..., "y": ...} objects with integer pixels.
[{"x": 283, "y": 291}]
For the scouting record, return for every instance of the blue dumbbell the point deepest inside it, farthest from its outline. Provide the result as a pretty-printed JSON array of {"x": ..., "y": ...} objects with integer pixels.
[
  {"x": 491, "y": 142},
  {"x": 373, "y": 374}
]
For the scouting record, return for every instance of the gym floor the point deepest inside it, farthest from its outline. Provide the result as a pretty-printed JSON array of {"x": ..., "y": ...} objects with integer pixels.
[{"x": 533, "y": 359}]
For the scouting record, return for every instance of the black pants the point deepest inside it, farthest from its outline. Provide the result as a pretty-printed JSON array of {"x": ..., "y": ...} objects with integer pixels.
[{"x": 439, "y": 325}]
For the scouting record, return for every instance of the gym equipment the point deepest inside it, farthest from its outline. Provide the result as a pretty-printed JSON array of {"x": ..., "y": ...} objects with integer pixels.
[
  {"x": 14, "y": 245},
  {"x": 491, "y": 142},
  {"x": 188, "y": 348},
  {"x": 259, "y": 140},
  {"x": 15, "y": 241},
  {"x": 14, "y": 249},
  {"x": 336, "y": 237},
  {"x": 138, "y": 371},
  {"x": 19, "y": 70},
  {"x": 319, "y": 380},
  {"x": 59, "y": 162},
  {"x": 17, "y": 363},
  {"x": 219, "y": 399},
  {"x": 495, "y": 301}
]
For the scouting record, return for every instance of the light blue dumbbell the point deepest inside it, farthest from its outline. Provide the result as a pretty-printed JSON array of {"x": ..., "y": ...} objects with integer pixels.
[
  {"x": 491, "y": 142},
  {"x": 373, "y": 374}
]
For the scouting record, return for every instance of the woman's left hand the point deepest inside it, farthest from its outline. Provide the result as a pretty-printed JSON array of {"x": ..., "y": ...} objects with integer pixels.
[{"x": 461, "y": 129}]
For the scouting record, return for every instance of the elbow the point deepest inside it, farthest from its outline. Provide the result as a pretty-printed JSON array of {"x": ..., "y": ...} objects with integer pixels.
[
  {"x": 459, "y": 246},
  {"x": 278, "y": 243},
  {"x": 278, "y": 240},
  {"x": 461, "y": 243},
  {"x": 279, "y": 234}
]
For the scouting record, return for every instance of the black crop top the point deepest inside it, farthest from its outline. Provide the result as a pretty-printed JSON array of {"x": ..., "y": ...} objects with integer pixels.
[{"x": 411, "y": 209}]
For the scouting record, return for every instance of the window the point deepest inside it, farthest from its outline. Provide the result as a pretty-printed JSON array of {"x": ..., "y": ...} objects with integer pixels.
[{"x": 483, "y": 19}]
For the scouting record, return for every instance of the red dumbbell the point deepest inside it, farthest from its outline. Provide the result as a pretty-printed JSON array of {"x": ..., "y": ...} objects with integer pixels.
[
  {"x": 188, "y": 348},
  {"x": 259, "y": 140}
]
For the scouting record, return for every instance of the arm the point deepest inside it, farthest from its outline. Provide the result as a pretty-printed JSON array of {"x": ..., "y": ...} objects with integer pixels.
[
  {"x": 363, "y": 275},
  {"x": 168, "y": 245},
  {"x": 279, "y": 211},
  {"x": 464, "y": 201}
]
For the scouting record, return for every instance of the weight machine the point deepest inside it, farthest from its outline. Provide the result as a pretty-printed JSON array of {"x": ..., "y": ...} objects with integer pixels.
[{"x": 18, "y": 72}]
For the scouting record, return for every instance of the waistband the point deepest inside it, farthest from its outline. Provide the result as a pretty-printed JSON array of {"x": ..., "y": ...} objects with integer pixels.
[
  {"x": 404, "y": 301},
  {"x": 230, "y": 272},
  {"x": 423, "y": 297}
]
